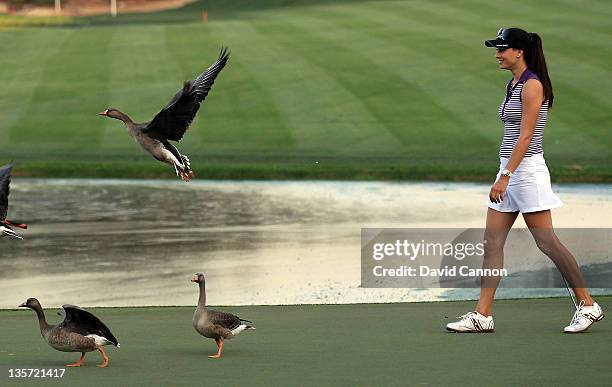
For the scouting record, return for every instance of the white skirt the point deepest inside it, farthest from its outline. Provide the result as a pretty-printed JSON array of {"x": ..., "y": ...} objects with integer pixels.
[{"x": 529, "y": 187}]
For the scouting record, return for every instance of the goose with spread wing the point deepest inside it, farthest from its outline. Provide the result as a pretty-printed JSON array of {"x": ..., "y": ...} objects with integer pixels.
[
  {"x": 80, "y": 331},
  {"x": 5, "y": 224},
  {"x": 215, "y": 325},
  {"x": 171, "y": 123}
]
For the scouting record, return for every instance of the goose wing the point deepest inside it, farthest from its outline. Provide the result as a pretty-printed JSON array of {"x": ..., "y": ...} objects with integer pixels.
[
  {"x": 82, "y": 322},
  {"x": 174, "y": 119},
  {"x": 5, "y": 181},
  {"x": 224, "y": 320}
]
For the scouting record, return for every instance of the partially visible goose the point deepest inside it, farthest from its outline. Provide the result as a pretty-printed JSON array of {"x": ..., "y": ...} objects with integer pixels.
[
  {"x": 80, "y": 331},
  {"x": 5, "y": 224},
  {"x": 172, "y": 121},
  {"x": 215, "y": 325}
]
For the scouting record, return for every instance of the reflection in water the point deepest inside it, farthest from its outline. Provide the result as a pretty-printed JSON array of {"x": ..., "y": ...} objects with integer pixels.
[{"x": 110, "y": 243}]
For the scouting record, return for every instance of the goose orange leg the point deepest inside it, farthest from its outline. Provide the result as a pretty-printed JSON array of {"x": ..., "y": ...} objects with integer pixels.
[
  {"x": 79, "y": 362},
  {"x": 103, "y": 365},
  {"x": 179, "y": 172},
  {"x": 220, "y": 346}
]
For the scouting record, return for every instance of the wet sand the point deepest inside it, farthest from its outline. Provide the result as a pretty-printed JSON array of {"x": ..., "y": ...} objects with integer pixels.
[{"x": 123, "y": 243}]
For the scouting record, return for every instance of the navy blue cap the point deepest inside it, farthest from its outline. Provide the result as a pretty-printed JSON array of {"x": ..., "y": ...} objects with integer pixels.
[{"x": 510, "y": 38}]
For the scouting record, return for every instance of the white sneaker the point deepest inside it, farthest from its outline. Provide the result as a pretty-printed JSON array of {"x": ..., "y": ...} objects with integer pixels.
[
  {"x": 472, "y": 322},
  {"x": 584, "y": 317}
]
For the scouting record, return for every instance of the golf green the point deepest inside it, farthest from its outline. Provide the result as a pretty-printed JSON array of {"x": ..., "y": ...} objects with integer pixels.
[
  {"x": 314, "y": 89},
  {"x": 372, "y": 344}
]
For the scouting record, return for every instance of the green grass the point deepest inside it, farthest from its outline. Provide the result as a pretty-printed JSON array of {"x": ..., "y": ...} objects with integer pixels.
[
  {"x": 12, "y": 21},
  {"x": 382, "y": 345},
  {"x": 371, "y": 89}
]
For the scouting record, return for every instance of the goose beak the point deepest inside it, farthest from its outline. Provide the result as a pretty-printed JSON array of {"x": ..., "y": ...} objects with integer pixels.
[
  {"x": 23, "y": 305},
  {"x": 104, "y": 113}
]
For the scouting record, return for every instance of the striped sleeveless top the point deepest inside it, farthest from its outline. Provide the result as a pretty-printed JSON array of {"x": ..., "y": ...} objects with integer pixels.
[{"x": 511, "y": 114}]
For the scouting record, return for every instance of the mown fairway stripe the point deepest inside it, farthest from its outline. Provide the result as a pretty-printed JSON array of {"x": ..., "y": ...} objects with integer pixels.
[
  {"x": 69, "y": 88},
  {"x": 240, "y": 111},
  {"x": 319, "y": 111},
  {"x": 422, "y": 102}
]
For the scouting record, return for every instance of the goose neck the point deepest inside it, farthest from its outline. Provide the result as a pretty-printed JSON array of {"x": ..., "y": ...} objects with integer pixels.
[
  {"x": 124, "y": 117},
  {"x": 42, "y": 321},
  {"x": 202, "y": 298}
]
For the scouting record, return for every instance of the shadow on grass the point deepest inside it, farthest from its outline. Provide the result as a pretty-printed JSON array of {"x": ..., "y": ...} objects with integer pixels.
[
  {"x": 203, "y": 351},
  {"x": 349, "y": 169}
]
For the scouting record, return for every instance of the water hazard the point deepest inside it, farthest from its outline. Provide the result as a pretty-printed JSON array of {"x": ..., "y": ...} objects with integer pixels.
[{"x": 113, "y": 242}]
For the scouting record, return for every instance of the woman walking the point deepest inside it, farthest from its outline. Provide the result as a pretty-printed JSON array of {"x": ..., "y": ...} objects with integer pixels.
[{"x": 523, "y": 182}]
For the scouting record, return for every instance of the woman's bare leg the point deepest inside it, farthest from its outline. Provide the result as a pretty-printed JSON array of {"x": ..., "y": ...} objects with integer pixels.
[
  {"x": 541, "y": 227},
  {"x": 496, "y": 232}
]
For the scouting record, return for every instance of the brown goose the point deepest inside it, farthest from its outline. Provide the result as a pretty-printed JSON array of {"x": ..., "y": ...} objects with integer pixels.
[
  {"x": 173, "y": 120},
  {"x": 80, "y": 331},
  {"x": 215, "y": 325},
  {"x": 5, "y": 224}
]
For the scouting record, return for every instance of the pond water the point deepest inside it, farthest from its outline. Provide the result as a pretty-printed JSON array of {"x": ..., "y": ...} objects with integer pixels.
[{"x": 119, "y": 243}]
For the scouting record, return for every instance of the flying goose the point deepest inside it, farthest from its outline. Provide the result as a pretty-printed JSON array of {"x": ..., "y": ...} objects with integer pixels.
[
  {"x": 215, "y": 325},
  {"x": 80, "y": 331},
  {"x": 173, "y": 120},
  {"x": 5, "y": 224}
]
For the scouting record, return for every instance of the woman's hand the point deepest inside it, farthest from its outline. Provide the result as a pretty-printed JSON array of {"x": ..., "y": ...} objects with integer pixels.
[{"x": 496, "y": 195}]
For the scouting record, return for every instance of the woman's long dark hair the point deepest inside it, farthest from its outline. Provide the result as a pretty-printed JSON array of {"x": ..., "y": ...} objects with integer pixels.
[{"x": 536, "y": 62}]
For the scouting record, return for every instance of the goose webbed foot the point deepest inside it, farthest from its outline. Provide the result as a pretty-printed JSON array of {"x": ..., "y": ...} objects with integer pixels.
[
  {"x": 103, "y": 365},
  {"x": 182, "y": 173},
  {"x": 186, "y": 175},
  {"x": 79, "y": 363},
  {"x": 220, "y": 346}
]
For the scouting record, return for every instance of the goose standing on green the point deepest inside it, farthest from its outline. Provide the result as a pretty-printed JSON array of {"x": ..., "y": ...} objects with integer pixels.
[
  {"x": 173, "y": 120},
  {"x": 80, "y": 331},
  {"x": 215, "y": 325}
]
